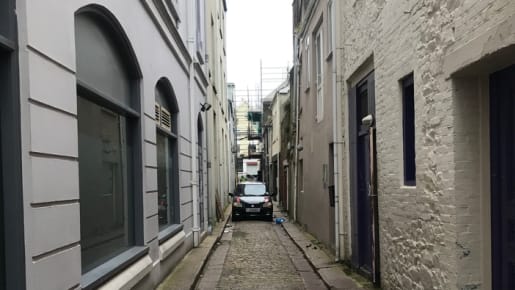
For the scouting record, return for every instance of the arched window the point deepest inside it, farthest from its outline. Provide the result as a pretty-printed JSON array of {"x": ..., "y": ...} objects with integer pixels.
[
  {"x": 167, "y": 154},
  {"x": 107, "y": 112}
]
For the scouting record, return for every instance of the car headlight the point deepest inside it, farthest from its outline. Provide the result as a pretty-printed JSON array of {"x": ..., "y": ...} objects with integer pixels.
[{"x": 237, "y": 203}]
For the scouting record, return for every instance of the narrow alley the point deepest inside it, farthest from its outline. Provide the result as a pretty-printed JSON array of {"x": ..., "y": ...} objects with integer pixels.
[{"x": 137, "y": 138}]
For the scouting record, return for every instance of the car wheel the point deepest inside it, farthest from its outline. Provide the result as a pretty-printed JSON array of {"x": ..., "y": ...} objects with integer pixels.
[{"x": 235, "y": 218}]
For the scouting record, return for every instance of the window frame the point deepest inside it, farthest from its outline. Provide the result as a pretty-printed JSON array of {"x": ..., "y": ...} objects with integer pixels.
[
  {"x": 307, "y": 47},
  {"x": 109, "y": 24},
  {"x": 329, "y": 21},
  {"x": 408, "y": 131},
  {"x": 128, "y": 161},
  {"x": 11, "y": 178},
  {"x": 164, "y": 94},
  {"x": 319, "y": 72}
]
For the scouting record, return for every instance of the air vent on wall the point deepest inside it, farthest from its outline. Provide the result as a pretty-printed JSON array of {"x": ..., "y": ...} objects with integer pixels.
[
  {"x": 158, "y": 114},
  {"x": 166, "y": 120}
]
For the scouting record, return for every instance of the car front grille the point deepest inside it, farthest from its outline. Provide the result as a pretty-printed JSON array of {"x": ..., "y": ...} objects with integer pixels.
[{"x": 253, "y": 205}]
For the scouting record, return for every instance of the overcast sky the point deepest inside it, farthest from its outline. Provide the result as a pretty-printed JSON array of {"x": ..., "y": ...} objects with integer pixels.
[{"x": 258, "y": 30}]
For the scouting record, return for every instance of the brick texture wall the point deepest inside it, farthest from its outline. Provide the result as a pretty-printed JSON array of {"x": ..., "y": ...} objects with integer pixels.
[{"x": 431, "y": 234}]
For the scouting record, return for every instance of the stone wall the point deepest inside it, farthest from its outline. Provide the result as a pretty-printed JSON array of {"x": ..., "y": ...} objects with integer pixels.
[{"x": 431, "y": 235}]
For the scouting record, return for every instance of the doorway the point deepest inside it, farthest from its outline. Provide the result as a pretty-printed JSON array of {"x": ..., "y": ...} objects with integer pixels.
[
  {"x": 502, "y": 154},
  {"x": 365, "y": 249}
]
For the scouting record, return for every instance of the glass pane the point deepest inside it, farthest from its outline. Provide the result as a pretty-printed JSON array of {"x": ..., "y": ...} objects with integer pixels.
[
  {"x": 319, "y": 59},
  {"x": 163, "y": 179},
  {"x": 103, "y": 194},
  {"x": 362, "y": 102},
  {"x": 409, "y": 133},
  {"x": 99, "y": 62},
  {"x": 255, "y": 189}
]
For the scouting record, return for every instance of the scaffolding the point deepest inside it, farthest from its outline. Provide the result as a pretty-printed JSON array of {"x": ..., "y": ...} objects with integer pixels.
[{"x": 249, "y": 111}]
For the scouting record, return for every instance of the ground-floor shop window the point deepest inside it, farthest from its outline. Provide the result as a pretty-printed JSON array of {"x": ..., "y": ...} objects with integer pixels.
[{"x": 104, "y": 196}]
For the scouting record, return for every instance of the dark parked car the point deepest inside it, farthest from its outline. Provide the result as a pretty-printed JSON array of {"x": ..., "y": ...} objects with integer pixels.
[{"x": 251, "y": 199}]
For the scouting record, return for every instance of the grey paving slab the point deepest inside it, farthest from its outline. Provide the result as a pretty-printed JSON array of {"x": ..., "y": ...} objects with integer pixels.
[
  {"x": 186, "y": 273},
  {"x": 326, "y": 268}
]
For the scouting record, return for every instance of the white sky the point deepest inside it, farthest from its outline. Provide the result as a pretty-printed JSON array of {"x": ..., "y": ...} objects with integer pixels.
[{"x": 258, "y": 30}]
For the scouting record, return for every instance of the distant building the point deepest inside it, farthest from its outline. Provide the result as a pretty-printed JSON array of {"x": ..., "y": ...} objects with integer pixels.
[
  {"x": 274, "y": 155},
  {"x": 248, "y": 133}
]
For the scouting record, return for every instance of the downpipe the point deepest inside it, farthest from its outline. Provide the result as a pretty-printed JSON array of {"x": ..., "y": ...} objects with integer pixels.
[
  {"x": 193, "y": 102},
  {"x": 337, "y": 142}
]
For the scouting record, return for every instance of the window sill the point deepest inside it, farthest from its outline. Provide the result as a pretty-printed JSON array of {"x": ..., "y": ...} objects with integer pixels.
[
  {"x": 169, "y": 232},
  {"x": 102, "y": 273},
  {"x": 170, "y": 245},
  {"x": 410, "y": 187}
]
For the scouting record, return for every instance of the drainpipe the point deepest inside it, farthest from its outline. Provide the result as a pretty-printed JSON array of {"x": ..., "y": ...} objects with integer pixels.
[
  {"x": 337, "y": 142},
  {"x": 193, "y": 102},
  {"x": 297, "y": 127}
]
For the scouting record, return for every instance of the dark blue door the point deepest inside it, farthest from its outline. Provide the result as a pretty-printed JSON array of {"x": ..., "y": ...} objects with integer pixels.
[
  {"x": 363, "y": 200},
  {"x": 502, "y": 138},
  {"x": 364, "y": 210}
]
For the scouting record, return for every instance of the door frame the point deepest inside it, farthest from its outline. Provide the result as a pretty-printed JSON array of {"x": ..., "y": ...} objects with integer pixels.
[
  {"x": 496, "y": 133},
  {"x": 12, "y": 229},
  {"x": 354, "y": 131}
]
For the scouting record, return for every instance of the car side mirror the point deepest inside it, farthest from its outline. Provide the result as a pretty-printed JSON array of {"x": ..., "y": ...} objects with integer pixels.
[{"x": 273, "y": 194}]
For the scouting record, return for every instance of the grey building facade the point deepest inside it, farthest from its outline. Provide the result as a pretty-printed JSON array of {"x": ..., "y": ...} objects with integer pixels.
[
  {"x": 103, "y": 179},
  {"x": 425, "y": 104},
  {"x": 313, "y": 93}
]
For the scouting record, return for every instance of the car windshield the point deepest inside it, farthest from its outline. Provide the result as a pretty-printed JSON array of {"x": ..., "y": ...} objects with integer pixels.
[{"x": 251, "y": 189}]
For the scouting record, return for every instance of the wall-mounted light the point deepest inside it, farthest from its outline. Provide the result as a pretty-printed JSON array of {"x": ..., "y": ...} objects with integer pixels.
[
  {"x": 205, "y": 107},
  {"x": 368, "y": 120}
]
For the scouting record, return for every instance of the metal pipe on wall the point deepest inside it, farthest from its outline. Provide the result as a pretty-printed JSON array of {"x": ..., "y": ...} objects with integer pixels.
[
  {"x": 193, "y": 102},
  {"x": 336, "y": 138}
]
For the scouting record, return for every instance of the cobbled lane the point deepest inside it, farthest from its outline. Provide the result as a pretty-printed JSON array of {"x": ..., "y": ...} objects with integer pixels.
[{"x": 257, "y": 255}]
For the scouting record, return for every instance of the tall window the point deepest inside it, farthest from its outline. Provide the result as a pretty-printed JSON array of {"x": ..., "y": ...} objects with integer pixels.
[
  {"x": 308, "y": 66},
  {"x": 408, "y": 129},
  {"x": 329, "y": 26},
  {"x": 107, "y": 126},
  {"x": 167, "y": 155},
  {"x": 319, "y": 60}
]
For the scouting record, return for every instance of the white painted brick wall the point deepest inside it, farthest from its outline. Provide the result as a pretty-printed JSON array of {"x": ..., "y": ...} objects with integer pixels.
[{"x": 430, "y": 235}]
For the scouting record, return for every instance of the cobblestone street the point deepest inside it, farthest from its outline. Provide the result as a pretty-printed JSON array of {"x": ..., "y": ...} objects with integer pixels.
[{"x": 257, "y": 255}]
